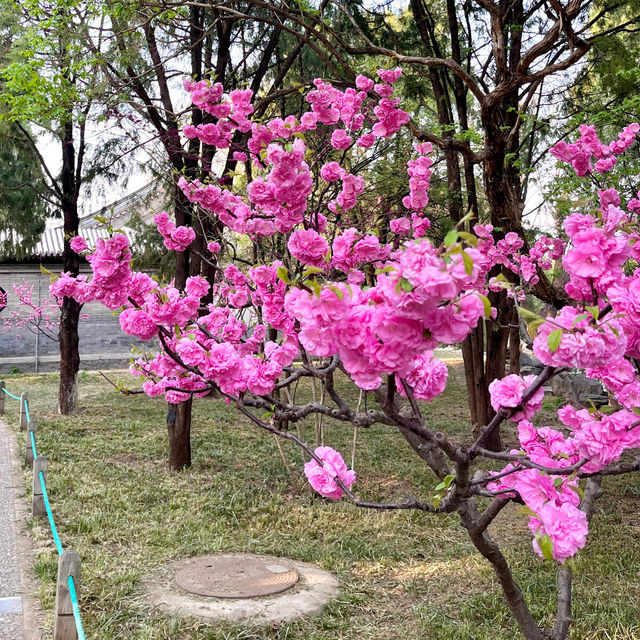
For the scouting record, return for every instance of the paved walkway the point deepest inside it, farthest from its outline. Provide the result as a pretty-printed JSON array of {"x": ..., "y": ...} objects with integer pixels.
[{"x": 17, "y": 620}]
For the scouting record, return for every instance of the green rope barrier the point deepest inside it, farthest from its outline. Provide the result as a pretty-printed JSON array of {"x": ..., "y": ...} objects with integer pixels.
[
  {"x": 54, "y": 531},
  {"x": 76, "y": 608},
  {"x": 52, "y": 524}
]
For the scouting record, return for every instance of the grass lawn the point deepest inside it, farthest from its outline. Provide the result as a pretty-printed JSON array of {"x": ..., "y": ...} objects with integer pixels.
[{"x": 402, "y": 574}]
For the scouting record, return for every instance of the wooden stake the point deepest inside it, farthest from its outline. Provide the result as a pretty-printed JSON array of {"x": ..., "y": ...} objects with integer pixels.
[
  {"x": 2, "y": 396},
  {"x": 37, "y": 499},
  {"x": 64, "y": 626},
  {"x": 23, "y": 414},
  {"x": 32, "y": 427}
]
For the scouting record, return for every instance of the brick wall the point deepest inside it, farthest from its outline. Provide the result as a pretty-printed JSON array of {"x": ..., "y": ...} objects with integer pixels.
[{"x": 102, "y": 343}]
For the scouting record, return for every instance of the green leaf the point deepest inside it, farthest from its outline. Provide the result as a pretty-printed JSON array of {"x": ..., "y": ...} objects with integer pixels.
[
  {"x": 283, "y": 274},
  {"x": 469, "y": 238},
  {"x": 387, "y": 269},
  {"x": 554, "y": 339},
  {"x": 450, "y": 238},
  {"x": 311, "y": 270},
  {"x": 315, "y": 285},
  {"x": 406, "y": 285},
  {"x": 580, "y": 318},
  {"x": 468, "y": 217},
  {"x": 446, "y": 483},
  {"x": 536, "y": 323},
  {"x": 486, "y": 303},
  {"x": 546, "y": 546},
  {"x": 525, "y": 313},
  {"x": 526, "y": 511},
  {"x": 468, "y": 263},
  {"x": 45, "y": 271},
  {"x": 594, "y": 311},
  {"x": 339, "y": 293},
  {"x": 557, "y": 483},
  {"x": 578, "y": 490}
]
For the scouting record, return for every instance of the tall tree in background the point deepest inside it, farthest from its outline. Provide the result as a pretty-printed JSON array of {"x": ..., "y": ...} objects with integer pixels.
[
  {"x": 22, "y": 211},
  {"x": 150, "y": 49},
  {"x": 49, "y": 82}
]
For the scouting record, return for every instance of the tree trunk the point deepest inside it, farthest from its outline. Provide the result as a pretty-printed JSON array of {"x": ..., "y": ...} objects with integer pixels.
[
  {"x": 69, "y": 357},
  {"x": 70, "y": 314},
  {"x": 179, "y": 415},
  {"x": 179, "y": 427}
]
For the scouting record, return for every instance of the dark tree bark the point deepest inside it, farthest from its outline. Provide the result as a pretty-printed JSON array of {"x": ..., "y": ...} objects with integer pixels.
[
  {"x": 70, "y": 314},
  {"x": 179, "y": 428},
  {"x": 211, "y": 36}
]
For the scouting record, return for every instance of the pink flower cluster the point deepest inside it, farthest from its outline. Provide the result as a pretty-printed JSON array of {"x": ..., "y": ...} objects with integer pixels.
[
  {"x": 230, "y": 114},
  {"x": 508, "y": 392},
  {"x": 175, "y": 238},
  {"x": 575, "y": 339},
  {"x": 598, "y": 253},
  {"x": 420, "y": 300},
  {"x": 601, "y": 438},
  {"x": 420, "y": 173},
  {"x": 309, "y": 247},
  {"x": 323, "y": 477},
  {"x": 279, "y": 200},
  {"x": 110, "y": 263},
  {"x": 580, "y": 153},
  {"x": 351, "y": 249},
  {"x": 552, "y": 498},
  {"x": 283, "y": 194}
]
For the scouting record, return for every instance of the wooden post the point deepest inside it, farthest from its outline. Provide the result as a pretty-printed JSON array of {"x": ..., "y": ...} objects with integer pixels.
[
  {"x": 2, "y": 397},
  {"x": 64, "y": 626},
  {"x": 32, "y": 427},
  {"x": 23, "y": 414},
  {"x": 37, "y": 499}
]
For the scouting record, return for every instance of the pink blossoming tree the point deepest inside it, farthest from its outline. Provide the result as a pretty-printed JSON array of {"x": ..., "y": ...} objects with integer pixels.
[{"x": 329, "y": 297}]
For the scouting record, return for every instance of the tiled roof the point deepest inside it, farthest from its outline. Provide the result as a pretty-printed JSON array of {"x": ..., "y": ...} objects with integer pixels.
[{"x": 51, "y": 242}]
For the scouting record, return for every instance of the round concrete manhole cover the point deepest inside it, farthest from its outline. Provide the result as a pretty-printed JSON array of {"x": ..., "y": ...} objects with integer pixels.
[{"x": 234, "y": 576}]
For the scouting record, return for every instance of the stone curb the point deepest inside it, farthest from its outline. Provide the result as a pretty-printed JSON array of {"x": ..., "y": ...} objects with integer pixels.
[{"x": 32, "y": 613}]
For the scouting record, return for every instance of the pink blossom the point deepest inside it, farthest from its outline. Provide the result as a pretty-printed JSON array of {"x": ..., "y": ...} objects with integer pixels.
[
  {"x": 323, "y": 478},
  {"x": 197, "y": 286},
  {"x": 363, "y": 83},
  {"x": 309, "y": 247},
  {"x": 367, "y": 140},
  {"x": 331, "y": 172},
  {"x": 389, "y": 75},
  {"x": 214, "y": 247},
  {"x": 180, "y": 239},
  {"x": 566, "y": 527},
  {"x": 137, "y": 322},
  {"x": 340, "y": 139},
  {"x": 401, "y": 226},
  {"x": 78, "y": 244},
  {"x": 509, "y": 392}
]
